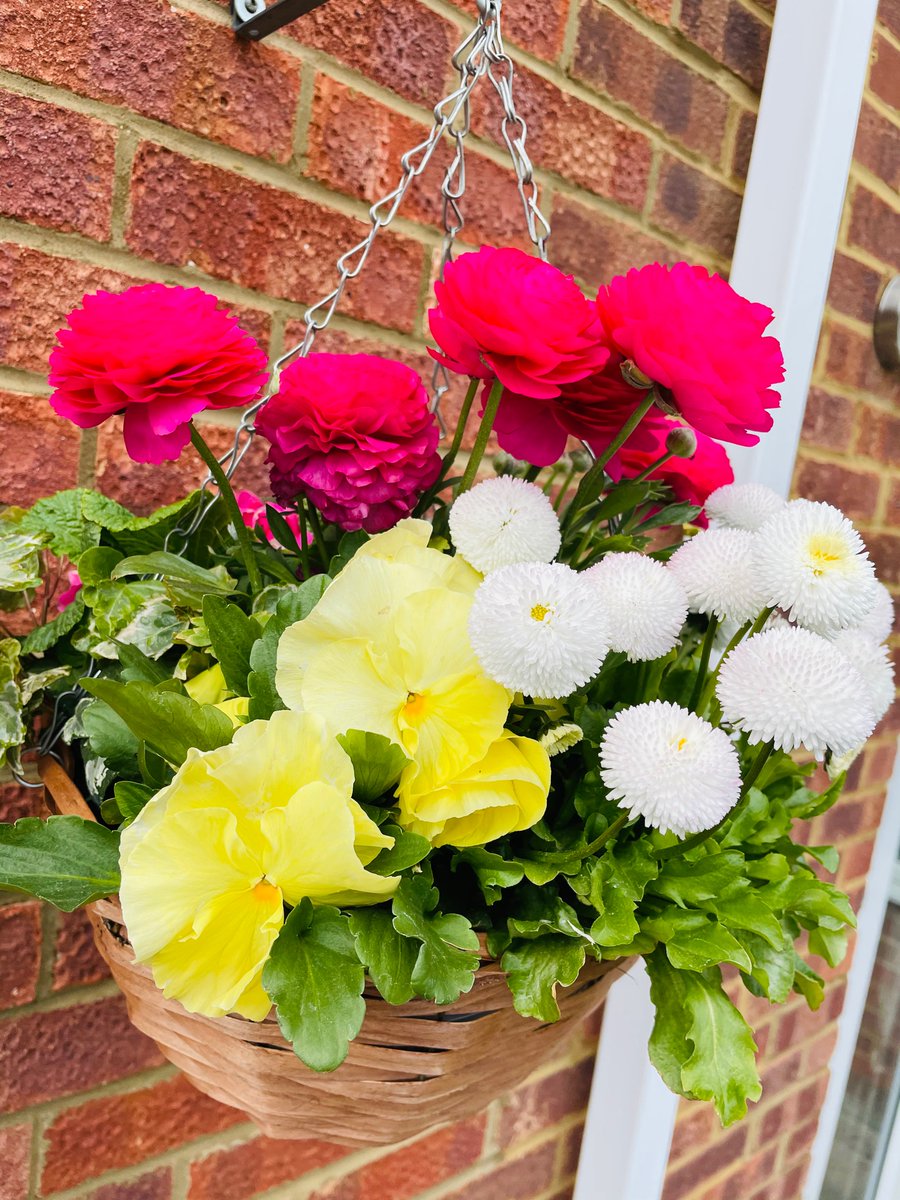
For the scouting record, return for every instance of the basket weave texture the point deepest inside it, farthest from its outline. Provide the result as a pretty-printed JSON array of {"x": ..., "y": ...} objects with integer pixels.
[{"x": 412, "y": 1066}]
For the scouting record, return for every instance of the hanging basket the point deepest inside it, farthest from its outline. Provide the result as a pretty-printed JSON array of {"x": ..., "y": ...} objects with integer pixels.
[{"x": 412, "y": 1066}]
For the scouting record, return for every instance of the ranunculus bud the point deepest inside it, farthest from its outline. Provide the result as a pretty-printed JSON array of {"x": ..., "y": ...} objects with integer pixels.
[
  {"x": 581, "y": 460},
  {"x": 682, "y": 442},
  {"x": 634, "y": 376},
  {"x": 506, "y": 464}
]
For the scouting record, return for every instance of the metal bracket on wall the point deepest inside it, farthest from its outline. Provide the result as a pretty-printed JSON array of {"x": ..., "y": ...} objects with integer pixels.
[{"x": 254, "y": 19}]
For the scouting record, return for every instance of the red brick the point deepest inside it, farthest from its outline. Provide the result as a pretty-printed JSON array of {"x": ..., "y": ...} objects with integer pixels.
[
  {"x": 884, "y": 549},
  {"x": 594, "y": 246},
  {"x": 162, "y": 62},
  {"x": 778, "y": 1076},
  {"x": 855, "y": 492},
  {"x": 792, "y": 1183},
  {"x": 874, "y": 225},
  {"x": 851, "y": 360},
  {"x": 848, "y": 817},
  {"x": 695, "y": 206},
  {"x": 730, "y": 33},
  {"x": 522, "y": 1178},
  {"x": 536, "y": 1105},
  {"x": 884, "y": 76},
  {"x": 746, "y": 1174},
  {"x": 20, "y": 953},
  {"x": 889, "y": 16},
  {"x": 658, "y": 10},
  {"x": 397, "y": 43},
  {"x": 828, "y": 421},
  {"x": 76, "y": 961},
  {"x": 15, "y": 1156},
  {"x": 155, "y": 1186},
  {"x": 17, "y": 802},
  {"x": 48, "y": 1055},
  {"x": 718, "y": 1154},
  {"x": 355, "y": 145},
  {"x": 120, "y": 1131},
  {"x": 256, "y": 1166},
  {"x": 613, "y": 57},
  {"x": 574, "y": 139},
  {"x": 854, "y": 287},
  {"x": 56, "y": 166},
  {"x": 538, "y": 26},
  {"x": 743, "y": 144},
  {"x": 266, "y": 239},
  {"x": 879, "y": 437},
  {"x": 571, "y": 1151},
  {"x": 878, "y": 763},
  {"x": 31, "y": 432},
  {"x": 143, "y": 486},
  {"x": 878, "y": 145},
  {"x": 696, "y": 1125},
  {"x": 855, "y": 861}
]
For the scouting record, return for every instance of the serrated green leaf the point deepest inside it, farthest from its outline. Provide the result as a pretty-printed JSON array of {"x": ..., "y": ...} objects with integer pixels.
[
  {"x": 45, "y": 636},
  {"x": 773, "y": 966},
  {"x": 137, "y": 665},
  {"x": 66, "y": 861},
  {"x": 388, "y": 957},
  {"x": 808, "y": 983},
  {"x": 545, "y": 913},
  {"x": 315, "y": 980},
  {"x": 232, "y": 635},
  {"x": 746, "y": 910},
  {"x": 535, "y": 968},
  {"x": 377, "y": 763},
  {"x": 618, "y": 882},
  {"x": 688, "y": 883},
  {"x": 20, "y": 561},
  {"x": 170, "y": 724},
  {"x": 133, "y": 534},
  {"x": 492, "y": 871},
  {"x": 694, "y": 942},
  {"x": 61, "y": 518},
  {"x": 447, "y": 958}
]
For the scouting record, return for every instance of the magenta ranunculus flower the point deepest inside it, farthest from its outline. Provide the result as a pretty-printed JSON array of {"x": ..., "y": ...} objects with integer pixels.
[
  {"x": 504, "y": 314},
  {"x": 355, "y": 434},
  {"x": 692, "y": 334},
  {"x": 64, "y": 599},
  {"x": 158, "y": 354},
  {"x": 253, "y": 512}
]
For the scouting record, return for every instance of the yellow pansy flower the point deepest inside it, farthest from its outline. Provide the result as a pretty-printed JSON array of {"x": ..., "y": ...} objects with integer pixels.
[
  {"x": 208, "y": 687},
  {"x": 503, "y": 792},
  {"x": 209, "y": 863}
]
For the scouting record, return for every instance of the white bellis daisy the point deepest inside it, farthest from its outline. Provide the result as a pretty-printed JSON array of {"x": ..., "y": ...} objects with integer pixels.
[
  {"x": 873, "y": 661},
  {"x": 538, "y": 628},
  {"x": 715, "y": 568},
  {"x": 811, "y": 563},
  {"x": 504, "y": 521},
  {"x": 742, "y": 506},
  {"x": 879, "y": 621},
  {"x": 645, "y": 604},
  {"x": 794, "y": 688},
  {"x": 670, "y": 767}
]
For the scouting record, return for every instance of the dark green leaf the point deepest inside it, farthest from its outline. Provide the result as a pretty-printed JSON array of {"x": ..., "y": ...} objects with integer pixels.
[
  {"x": 388, "y": 957},
  {"x": 138, "y": 666},
  {"x": 186, "y": 582},
  {"x": 315, "y": 980},
  {"x": 448, "y": 954},
  {"x": 66, "y": 861},
  {"x": 492, "y": 872},
  {"x": 232, "y": 635},
  {"x": 109, "y": 736},
  {"x": 407, "y": 850},
  {"x": 45, "y": 636},
  {"x": 535, "y": 968},
  {"x": 131, "y": 798},
  {"x": 377, "y": 763},
  {"x": 809, "y": 984}
]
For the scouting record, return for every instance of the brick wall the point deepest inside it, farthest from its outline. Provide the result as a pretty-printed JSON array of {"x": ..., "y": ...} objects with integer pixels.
[{"x": 141, "y": 142}]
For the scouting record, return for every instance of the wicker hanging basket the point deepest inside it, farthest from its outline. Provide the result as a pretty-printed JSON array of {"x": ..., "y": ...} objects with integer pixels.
[{"x": 412, "y": 1066}]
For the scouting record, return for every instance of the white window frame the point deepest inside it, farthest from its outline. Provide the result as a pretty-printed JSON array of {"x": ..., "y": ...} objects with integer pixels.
[{"x": 815, "y": 76}]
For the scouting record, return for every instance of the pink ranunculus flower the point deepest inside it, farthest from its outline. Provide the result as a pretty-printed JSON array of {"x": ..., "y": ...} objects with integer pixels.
[
  {"x": 253, "y": 512},
  {"x": 158, "y": 354},
  {"x": 692, "y": 334},
  {"x": 355, "y": 434},
  {"x": 504, "y": 314},
  {"x": 64, "y": 599}
]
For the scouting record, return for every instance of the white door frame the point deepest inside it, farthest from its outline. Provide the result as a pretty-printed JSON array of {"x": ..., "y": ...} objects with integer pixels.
[{"x": 816, "y": 72}]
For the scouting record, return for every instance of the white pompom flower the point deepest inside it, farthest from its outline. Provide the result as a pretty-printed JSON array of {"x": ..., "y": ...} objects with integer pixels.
[
  {"x": 645, "y": 604},
  {"x": 538, "y": 628},
  {"x": 796, "y": 689},
  {"x": 669, "y": 766},
  {"x": 560, "y": 738},
  {"x": 503, "y": 521},
  {"x": 742, "y": 506},
  {"x": 873, "y": 661},
  {"x": 879, "y": 621},
  {"x": 811, "y": 563},
  {"x": 715, "y": 568}
]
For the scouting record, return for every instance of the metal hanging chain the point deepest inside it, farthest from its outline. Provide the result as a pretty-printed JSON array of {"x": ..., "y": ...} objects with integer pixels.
[{"x": 481, "y": 54}]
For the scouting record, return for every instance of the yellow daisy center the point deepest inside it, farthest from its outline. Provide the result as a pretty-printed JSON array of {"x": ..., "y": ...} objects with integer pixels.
[
  {"x": 415, "y": 707},
  {"x": 680, "y": 744},
  {"x": 540, "y": 612},
  {"x": 265, "y": 892},
  {"x": 826, "y": 550}
]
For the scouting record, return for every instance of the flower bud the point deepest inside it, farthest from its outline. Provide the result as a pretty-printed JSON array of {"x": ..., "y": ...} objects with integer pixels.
[
  {"x": 681, "y": 441},
  {"x": 633, "y": 375},
  {"x": 505, "y": 464},
  {"x": 581, "y": 460}
]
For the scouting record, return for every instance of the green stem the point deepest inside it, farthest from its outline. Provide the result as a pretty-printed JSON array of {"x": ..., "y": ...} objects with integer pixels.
[
  {"x": 705, "y": 652},
  {"x": 532, "y": 473},
  {"x": 318, "y": 534},
  {"x": 597, "y": 468},
  {"x": 484, "y": 433},
  {"x": 746, "y": 630},
  {"x": 697, "y": 839},
  {"x": 591, "y": 848},
  {"x": 231, "y": 508},
  {"x": 450, "y": 457},
  {"x": 564, "y": 487},
  {"x": 304, "y": 538},
  {"x": 653, "y": 467}
]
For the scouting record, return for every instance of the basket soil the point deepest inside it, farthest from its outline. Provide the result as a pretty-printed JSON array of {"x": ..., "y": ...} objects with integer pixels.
[{"x": 412, "y": 1066}]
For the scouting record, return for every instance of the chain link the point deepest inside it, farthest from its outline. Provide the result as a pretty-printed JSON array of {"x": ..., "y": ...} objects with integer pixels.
[{"x": 481, "y": 54}]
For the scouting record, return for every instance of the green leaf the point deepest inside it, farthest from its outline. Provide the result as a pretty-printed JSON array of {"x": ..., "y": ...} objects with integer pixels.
[
  {"x": 169, "y": 723},
  {"x": 377, "y": 763},
  {"x": 66, "y": 861},
  {"x": 96, "y": 564},
  {"x": 62, "y": 519},
  {"x": 694, "y": 942},
  {"x": 108, "y": 736},
  {"x": 137, "y": 535},
  {"x": 618, "y": 881},
  {"x": 829, "y": 944},
  {"x": 672, "y": 514},
  {"x": 701, "y": 1045},
  {"x": 810, "y": 900},
  {"x": 139, "y": 666},
  {"x": 809, "y": 984},
  {"x": 773, "y": 966},
  {"x": 315, "y": 980},
  {"x": 20, "y": 561},
  {"x": 407, "y": 850},
  {"x": 232, "y": 635},
  {"x": 688, "y": 883},
  {"x": 447, "y": 959},
  {"x": 293, "y": 606},
  {"x": 745, "y": 910},
  {"x": 388, "y": 957},
  {"x": 131, "y": 798},
  {"x": 187, "y": 583},
  {"x": 300, "y": 602},
  {"x": 45, "y": 636},
  {"x": 348, "y": 546},
  {"x": 534, "y": 969},
  {"x": 544, "y": 913},
  {"x": 492, "y": 872}
]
